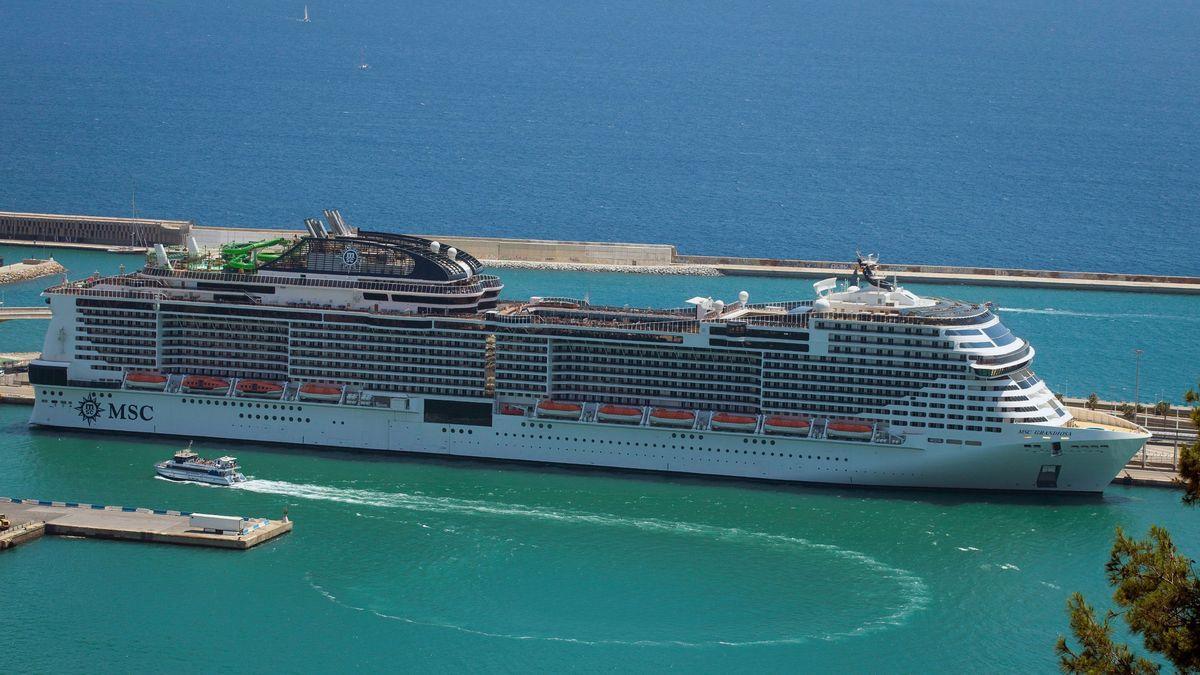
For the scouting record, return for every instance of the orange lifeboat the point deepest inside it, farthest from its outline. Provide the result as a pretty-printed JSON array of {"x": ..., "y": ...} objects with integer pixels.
[
  {"x": 620, "y": 414},
  {"x": 855, "y": 430},
  {"x": 203, "y": 384},
  {"x": 671, "y": 417},
  {"x": 559, "y": 409},
  {"x": 730, "y": 422},
  {"x": 510, "y": 409},
  {"x": 146, "y": 379},
  {"x": 314, "y": 391},
  {"x": 259, "y": 389},
  {"x": 783, "y": 424}
]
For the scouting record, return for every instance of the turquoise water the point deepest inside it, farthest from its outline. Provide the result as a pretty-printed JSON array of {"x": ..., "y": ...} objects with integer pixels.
[
  {"x": 440, "y": 565},
  {"x": 403, "y": 563},
  {"x": 1032, "y": 134}
]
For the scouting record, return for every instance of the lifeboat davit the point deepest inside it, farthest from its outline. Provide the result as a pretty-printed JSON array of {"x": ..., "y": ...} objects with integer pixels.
[
  {"x": 782, "y": 424},
  {"x": 671, "y": 417},
  {"x": 203, "y": 384},
  {"x": 313, "y": 391},
  {"x": 259, "y": 389},
  {"x": 854, "y": 430},
  {"x": 731, "y": 422},
  {"x": 559, "y": 410},
  {"x": 145, "y": 379},
  {"x": 510, "y": 409},
  {"x": 620, "y": 414}
]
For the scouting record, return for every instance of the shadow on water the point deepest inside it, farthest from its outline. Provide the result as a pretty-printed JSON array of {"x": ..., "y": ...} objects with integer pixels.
[{"x": 942, "y": 497}]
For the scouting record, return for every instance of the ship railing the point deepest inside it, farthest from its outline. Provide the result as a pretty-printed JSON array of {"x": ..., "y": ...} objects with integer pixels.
[{"x": 103, "y": 293}]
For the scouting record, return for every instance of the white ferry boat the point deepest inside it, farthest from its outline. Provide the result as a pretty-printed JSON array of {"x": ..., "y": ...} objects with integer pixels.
[
  {"x": 380, "y": 341},
  {"x": 187, "y": 465}
]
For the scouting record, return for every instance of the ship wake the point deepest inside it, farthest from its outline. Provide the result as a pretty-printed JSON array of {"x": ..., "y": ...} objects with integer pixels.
[{"x": 912, "y": 592}]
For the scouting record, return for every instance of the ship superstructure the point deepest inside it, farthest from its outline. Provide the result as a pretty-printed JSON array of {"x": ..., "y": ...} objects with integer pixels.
[{"x": 391, "y": 342}]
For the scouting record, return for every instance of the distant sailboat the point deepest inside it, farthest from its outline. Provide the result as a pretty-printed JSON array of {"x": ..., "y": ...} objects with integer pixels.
[
  {"x": 305, "y": 19},
  {"x": 362, "y": 60}
]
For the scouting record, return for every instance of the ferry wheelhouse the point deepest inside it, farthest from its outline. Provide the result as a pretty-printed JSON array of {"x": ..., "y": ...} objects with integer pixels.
[{"x": 380, "y": 341}]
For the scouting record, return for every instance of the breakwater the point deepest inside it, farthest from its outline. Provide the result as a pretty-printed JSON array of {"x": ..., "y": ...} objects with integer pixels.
[
  {"x": 591, "y": 256},
  {"x": 89, "y": 231},
  {"x": 30, "y": 268}
]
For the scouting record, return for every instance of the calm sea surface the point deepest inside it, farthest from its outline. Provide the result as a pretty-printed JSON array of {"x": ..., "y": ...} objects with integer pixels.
[{"x": 1033, "y": 134}]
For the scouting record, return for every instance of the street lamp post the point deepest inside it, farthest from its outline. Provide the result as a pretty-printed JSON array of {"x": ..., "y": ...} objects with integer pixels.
[{"x": 1137, "y": 363}]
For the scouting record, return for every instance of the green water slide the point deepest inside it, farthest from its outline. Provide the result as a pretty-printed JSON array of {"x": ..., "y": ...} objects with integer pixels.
[{"x": 245, "y": 256}]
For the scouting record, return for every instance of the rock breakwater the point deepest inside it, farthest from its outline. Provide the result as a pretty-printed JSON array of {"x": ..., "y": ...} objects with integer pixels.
[{"x": 30, "y": 268}]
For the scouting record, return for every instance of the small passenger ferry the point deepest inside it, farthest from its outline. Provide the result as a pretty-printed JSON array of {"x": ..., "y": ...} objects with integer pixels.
[{"x": 187, "y": 465}]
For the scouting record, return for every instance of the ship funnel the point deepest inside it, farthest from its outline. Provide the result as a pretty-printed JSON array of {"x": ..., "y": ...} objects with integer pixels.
[
  {"x": 193, "y": 249},
  {"x": 160, "y": 256},
  {"x": 315, "y": 227},
  {"x": 338, "y": 223},
  {"x": 333, "y": 225},
  {"x": 342, "y": 224}
]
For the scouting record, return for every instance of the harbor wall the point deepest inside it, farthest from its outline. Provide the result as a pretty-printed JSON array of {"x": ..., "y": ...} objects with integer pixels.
[
  {"x": 551, "y": 251},
  {"x": 997, "y": 276},
  {"x": 93, "y": 231},
  {"x": 38, "y": 228}
]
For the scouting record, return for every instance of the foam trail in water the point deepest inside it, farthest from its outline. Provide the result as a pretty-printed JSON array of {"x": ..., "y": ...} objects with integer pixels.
[
  {"x": 1095, "y": 315},
  {"x": 915, "y": 593}
]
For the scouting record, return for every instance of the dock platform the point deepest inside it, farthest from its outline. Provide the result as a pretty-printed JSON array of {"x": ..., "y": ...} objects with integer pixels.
[{"x": 136, "y": 524}]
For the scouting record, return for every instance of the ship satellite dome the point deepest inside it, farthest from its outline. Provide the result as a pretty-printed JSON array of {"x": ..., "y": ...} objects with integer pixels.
[
  {"x": 452, "y": 253},
  {"x": 435, "y": 246},
  {"x": 719, "y": 306},
  {"x": 852, "y": 289},
  {"x": 821, "y": 304},
  {"x": 743, "y": 297}
]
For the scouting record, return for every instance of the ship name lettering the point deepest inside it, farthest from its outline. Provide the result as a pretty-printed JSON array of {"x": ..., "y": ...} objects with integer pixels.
[{"x": 129, "y": 411}]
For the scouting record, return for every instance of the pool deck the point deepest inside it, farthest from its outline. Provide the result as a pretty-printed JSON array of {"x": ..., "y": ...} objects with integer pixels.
[{"x": 136, "y": 524}]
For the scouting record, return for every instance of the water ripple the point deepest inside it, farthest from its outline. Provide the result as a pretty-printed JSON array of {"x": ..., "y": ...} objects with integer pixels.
[{"x": 913, "y": 590}]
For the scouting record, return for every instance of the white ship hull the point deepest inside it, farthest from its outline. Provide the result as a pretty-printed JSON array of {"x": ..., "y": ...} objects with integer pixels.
[{"x": 1017, "y": 459}]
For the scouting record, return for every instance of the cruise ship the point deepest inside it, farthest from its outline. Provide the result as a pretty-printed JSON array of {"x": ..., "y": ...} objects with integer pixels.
[{"x": 354, "y": 339}]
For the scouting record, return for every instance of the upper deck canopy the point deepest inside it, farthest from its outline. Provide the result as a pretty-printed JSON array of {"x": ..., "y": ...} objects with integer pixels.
[{"x": 377, "y": 254}]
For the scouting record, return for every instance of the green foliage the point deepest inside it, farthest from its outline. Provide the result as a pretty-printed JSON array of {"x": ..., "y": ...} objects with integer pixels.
[
  {"x": 1157, "y": 587},
  {"x": 1126, "y": 410},
  {"x": 1098, "y": 653},
  {"x": 1189, "y": 473},
  {"x": 1161, "y": 593},
  {"x": 1162, "y": 408},
  {"x": 1092, "y": 401}
]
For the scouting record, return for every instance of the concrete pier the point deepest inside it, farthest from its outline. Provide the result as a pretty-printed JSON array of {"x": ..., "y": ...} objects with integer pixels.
[
  {"x": 136, "y": 524},
  {"x": 21, "y": 533}
]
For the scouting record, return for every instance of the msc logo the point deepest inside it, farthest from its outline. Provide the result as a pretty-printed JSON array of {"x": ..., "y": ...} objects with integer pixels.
[
  {"x": 90, "y": 410},
  {"x": 350, "y": 257},
  {"x": 128, "y": 411}
]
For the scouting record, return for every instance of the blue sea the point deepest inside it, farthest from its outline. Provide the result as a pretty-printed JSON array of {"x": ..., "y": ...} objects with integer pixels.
[
  {"x": 1023, "y": 134},
  {"x": 1027, "y": 134}
]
